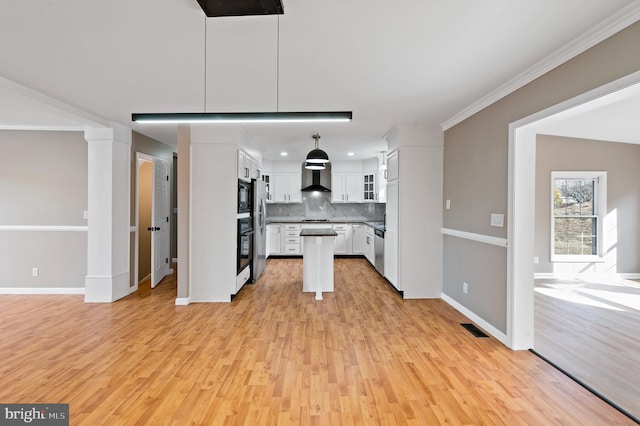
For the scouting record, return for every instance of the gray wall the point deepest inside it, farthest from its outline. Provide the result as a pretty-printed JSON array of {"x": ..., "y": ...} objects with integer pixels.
[
  {"x": 476, "y": 158},
  {"x": 622, "y": 164},
  {"x": 43, "y": 182}
]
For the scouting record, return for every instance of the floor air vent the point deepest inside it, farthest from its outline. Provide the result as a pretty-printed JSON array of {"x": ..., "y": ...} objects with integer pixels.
[{"x": 471, "y": 328}]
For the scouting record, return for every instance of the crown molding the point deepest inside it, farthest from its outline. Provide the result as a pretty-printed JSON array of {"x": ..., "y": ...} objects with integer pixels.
[{"x": 615, "y": 23}]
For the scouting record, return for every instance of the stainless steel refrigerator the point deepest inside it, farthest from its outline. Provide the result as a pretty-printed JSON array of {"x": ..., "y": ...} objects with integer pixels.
[{"x": 260, "y": 229}]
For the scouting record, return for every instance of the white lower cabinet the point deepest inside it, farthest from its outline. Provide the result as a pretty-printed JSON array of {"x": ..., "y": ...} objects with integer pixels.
[
  {"x": 369, "y": 244},
  {"x": 242, "y": 278},
  {"x": 343, "y": 241},
  {"x": 357, "y": 242},
  {"x": 274, "y": 240},
  {"x": 351, "y": 239},
  {"x": 291, "y": 239}
]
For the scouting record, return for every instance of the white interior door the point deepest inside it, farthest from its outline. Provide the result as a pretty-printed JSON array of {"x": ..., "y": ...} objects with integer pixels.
[{"x": 160, "y": 222}]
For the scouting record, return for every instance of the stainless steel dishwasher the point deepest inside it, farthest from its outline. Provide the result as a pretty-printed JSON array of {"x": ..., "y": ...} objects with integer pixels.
[{"x": 379, "y": 250}]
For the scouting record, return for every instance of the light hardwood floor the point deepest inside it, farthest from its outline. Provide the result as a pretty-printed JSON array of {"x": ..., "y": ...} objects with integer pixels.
[
  {"x": 361, "y": 356},
  {"x": 591, "y": 329}
]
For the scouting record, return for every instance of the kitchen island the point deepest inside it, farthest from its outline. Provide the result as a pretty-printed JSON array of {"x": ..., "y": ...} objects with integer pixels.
[{"x": 317, "y": 260}]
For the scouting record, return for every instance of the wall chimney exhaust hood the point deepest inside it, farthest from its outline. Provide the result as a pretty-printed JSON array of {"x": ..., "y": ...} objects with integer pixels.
[
  {"x": 215, "y": 8},
  {"x": 316, "y": 180}
]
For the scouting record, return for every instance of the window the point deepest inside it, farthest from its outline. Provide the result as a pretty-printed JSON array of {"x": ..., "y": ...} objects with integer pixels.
[{"x": 578, "y": 205}]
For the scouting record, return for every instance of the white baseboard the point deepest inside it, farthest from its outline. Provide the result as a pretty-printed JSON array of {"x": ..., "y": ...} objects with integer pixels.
[
  {"x": 544, "y": 275},
  {"x": 551, "y": 275},
  {"x": 183, "y": 301},
  {"x": 42, "y": 290},
  {"x": 500, "y": 336}
]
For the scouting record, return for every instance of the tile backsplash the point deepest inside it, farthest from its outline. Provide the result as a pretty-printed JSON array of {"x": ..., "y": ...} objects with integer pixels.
[{"x": 319, "y": 206}]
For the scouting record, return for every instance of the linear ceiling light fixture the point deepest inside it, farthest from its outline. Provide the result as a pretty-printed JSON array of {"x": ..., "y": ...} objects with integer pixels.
[{"x": 243, "y": 117}]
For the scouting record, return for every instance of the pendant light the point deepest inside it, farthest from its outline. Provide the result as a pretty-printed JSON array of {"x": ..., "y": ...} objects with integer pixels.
[
  {"x": 316, "y": 158},
  {"x": 314, "y": 166}
]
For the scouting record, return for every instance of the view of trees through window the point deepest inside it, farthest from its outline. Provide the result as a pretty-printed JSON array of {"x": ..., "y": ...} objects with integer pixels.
[{"x": 574, "y": 216}]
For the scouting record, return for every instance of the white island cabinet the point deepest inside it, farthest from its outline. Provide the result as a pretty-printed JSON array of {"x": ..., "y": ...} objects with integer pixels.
[{"x": 317, "y": 262}]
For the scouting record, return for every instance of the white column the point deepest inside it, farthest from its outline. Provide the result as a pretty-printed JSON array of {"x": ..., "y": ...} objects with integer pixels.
[
  {"x": 184, "y": 177},
  {"x": 109, "y": 213}
]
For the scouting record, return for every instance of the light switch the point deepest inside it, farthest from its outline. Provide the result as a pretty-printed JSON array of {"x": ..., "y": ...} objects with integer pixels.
[
  {"x": 448, "y": 204},
  {"x": 497, "y": 220}
]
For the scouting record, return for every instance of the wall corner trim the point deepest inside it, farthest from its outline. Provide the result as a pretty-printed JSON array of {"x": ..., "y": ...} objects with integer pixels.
[{"x": 620, "y": 20}]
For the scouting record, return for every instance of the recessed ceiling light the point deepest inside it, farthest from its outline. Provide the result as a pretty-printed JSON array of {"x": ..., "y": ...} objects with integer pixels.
[
  {"x": 350, "y": 154},
  {"x": 284, "y": 154}
]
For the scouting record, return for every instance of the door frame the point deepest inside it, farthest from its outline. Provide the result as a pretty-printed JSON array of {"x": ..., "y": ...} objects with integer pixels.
[
  {"x": 140, "y": 158},
  {"x": 521, "y": 198}
]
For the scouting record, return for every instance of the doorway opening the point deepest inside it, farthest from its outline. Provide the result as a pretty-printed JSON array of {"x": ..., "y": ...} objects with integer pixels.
[
  {"x": 613, "y": 102},
  {"x": 521, "y": 198}
]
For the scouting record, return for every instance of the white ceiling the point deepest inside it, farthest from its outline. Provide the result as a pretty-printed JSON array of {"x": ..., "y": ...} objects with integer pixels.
[
  {"x": 409, "y": 61},
  {"x": 614, "y": 117}
]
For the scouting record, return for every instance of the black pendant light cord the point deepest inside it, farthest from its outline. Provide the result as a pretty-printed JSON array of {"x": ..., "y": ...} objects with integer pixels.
[
  {"x": 204, "y": 100},
  {"x": 278, "y": 67}
]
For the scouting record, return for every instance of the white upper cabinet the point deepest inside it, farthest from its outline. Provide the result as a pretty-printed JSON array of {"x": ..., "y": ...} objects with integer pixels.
[
  {"x": 346, "y": 187},
  {"x": 255, "y": 169},
  {"x": 244, "y": 165},
  {"x": 369, "y": 187},
  {"x": 286, "y": 187},
  {"x": 248, "y": 167}
]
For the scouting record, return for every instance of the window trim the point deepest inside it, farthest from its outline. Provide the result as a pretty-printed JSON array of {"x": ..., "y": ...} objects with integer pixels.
[{"x": 601, "y": 212}]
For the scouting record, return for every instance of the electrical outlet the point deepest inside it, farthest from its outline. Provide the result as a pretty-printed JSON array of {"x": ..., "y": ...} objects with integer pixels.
[
  {"x": 35, "y": 272},
  {"x": 465, "y": 288},
  {"x": 536, "y": 259},
  {"x": 85, "y": 214}
]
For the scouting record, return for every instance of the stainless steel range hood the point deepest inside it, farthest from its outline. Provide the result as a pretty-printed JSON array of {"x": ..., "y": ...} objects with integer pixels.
[{"x": 316, "y": 180}]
